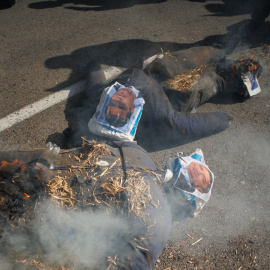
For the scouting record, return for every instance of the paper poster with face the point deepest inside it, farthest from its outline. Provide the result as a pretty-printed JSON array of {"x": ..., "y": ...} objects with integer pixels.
[
  {"x": 194, "y": 177},
  {"x": 121, "y": 109},
  {"x": 252, "y": 84}
]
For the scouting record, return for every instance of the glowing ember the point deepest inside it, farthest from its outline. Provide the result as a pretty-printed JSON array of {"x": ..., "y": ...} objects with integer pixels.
[
  {"x": 246, "y": 64},
  {"x": 14, "y": 164},
  {"x": 26, "y": 196}
]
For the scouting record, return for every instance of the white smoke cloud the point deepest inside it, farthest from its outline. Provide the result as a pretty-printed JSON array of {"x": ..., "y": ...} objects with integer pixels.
[{"x": 78, "y": 240}]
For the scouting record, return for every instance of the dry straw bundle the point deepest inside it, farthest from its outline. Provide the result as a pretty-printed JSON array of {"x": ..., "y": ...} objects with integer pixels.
[
  {"x": 58, "y": 188},
  {"x": 184, "y": 81},
  {"x": 107, "y": 188},
  {"x": 39, "y": 265},
  {"x": 134, "y": 192},
  {"x": 60, "y": 192}
]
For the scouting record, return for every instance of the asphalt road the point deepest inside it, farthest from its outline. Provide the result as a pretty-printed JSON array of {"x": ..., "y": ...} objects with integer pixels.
[{"x": 45, "y": 47}]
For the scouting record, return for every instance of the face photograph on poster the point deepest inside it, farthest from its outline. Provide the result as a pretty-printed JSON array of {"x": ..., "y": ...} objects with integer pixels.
[
  {"x": 194, "y": 177},
  {"x": 122, "y": 109}
]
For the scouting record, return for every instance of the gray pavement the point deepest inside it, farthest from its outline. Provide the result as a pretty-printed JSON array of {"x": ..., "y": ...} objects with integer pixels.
[{"x": 45, "y": 46}]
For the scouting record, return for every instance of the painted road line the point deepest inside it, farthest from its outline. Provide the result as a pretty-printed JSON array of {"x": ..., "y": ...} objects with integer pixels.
[
  {"x": 112, "y": 72},
  {"x": 51, "y": 100},
  {"x": 39, "y": 106}
]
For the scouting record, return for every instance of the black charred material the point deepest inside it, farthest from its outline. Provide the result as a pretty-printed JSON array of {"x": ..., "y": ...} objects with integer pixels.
[
  {"x": 123, "y": 197},
  {"x": 243, "y": 66},
  {"x": 75, "y": 182},
  {"x": 234, "y": 71},
  {"x": 19, "y": 190},
  {"x": 88, "y": 182}
]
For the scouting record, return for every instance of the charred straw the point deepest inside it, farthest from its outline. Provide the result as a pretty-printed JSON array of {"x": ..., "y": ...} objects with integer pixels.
[{"x": 90, "y": 188}]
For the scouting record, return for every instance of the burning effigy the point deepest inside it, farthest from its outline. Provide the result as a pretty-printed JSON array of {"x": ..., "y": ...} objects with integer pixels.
[
  {"x": 104, "y": 204},
  {"x": 181, "y": 72},
  {"x": 99, "y": 206},
  {"x": 242, "y": 76},
  {"x": 157, "y": 101},
  {"x": 87, "y": 198}
]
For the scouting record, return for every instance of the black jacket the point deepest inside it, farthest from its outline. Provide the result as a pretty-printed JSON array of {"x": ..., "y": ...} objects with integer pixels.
[{"x": 166, "y": 114}]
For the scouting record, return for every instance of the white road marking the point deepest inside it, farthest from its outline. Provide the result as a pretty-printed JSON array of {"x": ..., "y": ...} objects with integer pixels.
[
  {"x": 112, "y": 72},
  {"x": 51, "y": 100}
]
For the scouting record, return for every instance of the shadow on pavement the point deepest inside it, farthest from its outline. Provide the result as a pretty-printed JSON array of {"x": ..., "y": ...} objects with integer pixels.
[
  {"x": 122, "y": 53},
  {"x": 126, "y": 53},
  {"x": 94, "y": 5},
  {"x": 230, "y": 7},
  {"x": 4, "y": 4},
  {"x": 241, "y": 36}
]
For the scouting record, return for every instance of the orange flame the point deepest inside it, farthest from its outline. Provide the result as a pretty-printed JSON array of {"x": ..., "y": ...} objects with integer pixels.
[
  {"x": 23, "y": 167},
  {"x": 253, "y": 66},
  {"x": 37, "y": 176},
  {"x": 26, "y": 196},
  {"x": 15, "y": 163}
]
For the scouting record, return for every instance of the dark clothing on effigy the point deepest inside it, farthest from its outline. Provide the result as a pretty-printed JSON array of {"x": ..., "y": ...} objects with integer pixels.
[
  {"x": 148, "y": 224},
  {"x": 166, "y": 113}
]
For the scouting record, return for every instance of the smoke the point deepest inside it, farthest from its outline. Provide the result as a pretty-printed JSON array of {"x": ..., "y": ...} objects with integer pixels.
[
  {"x": 241, "y": 193},
  {"x": 239, "y": 158},
  {"x": 60, "y": 237}
]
